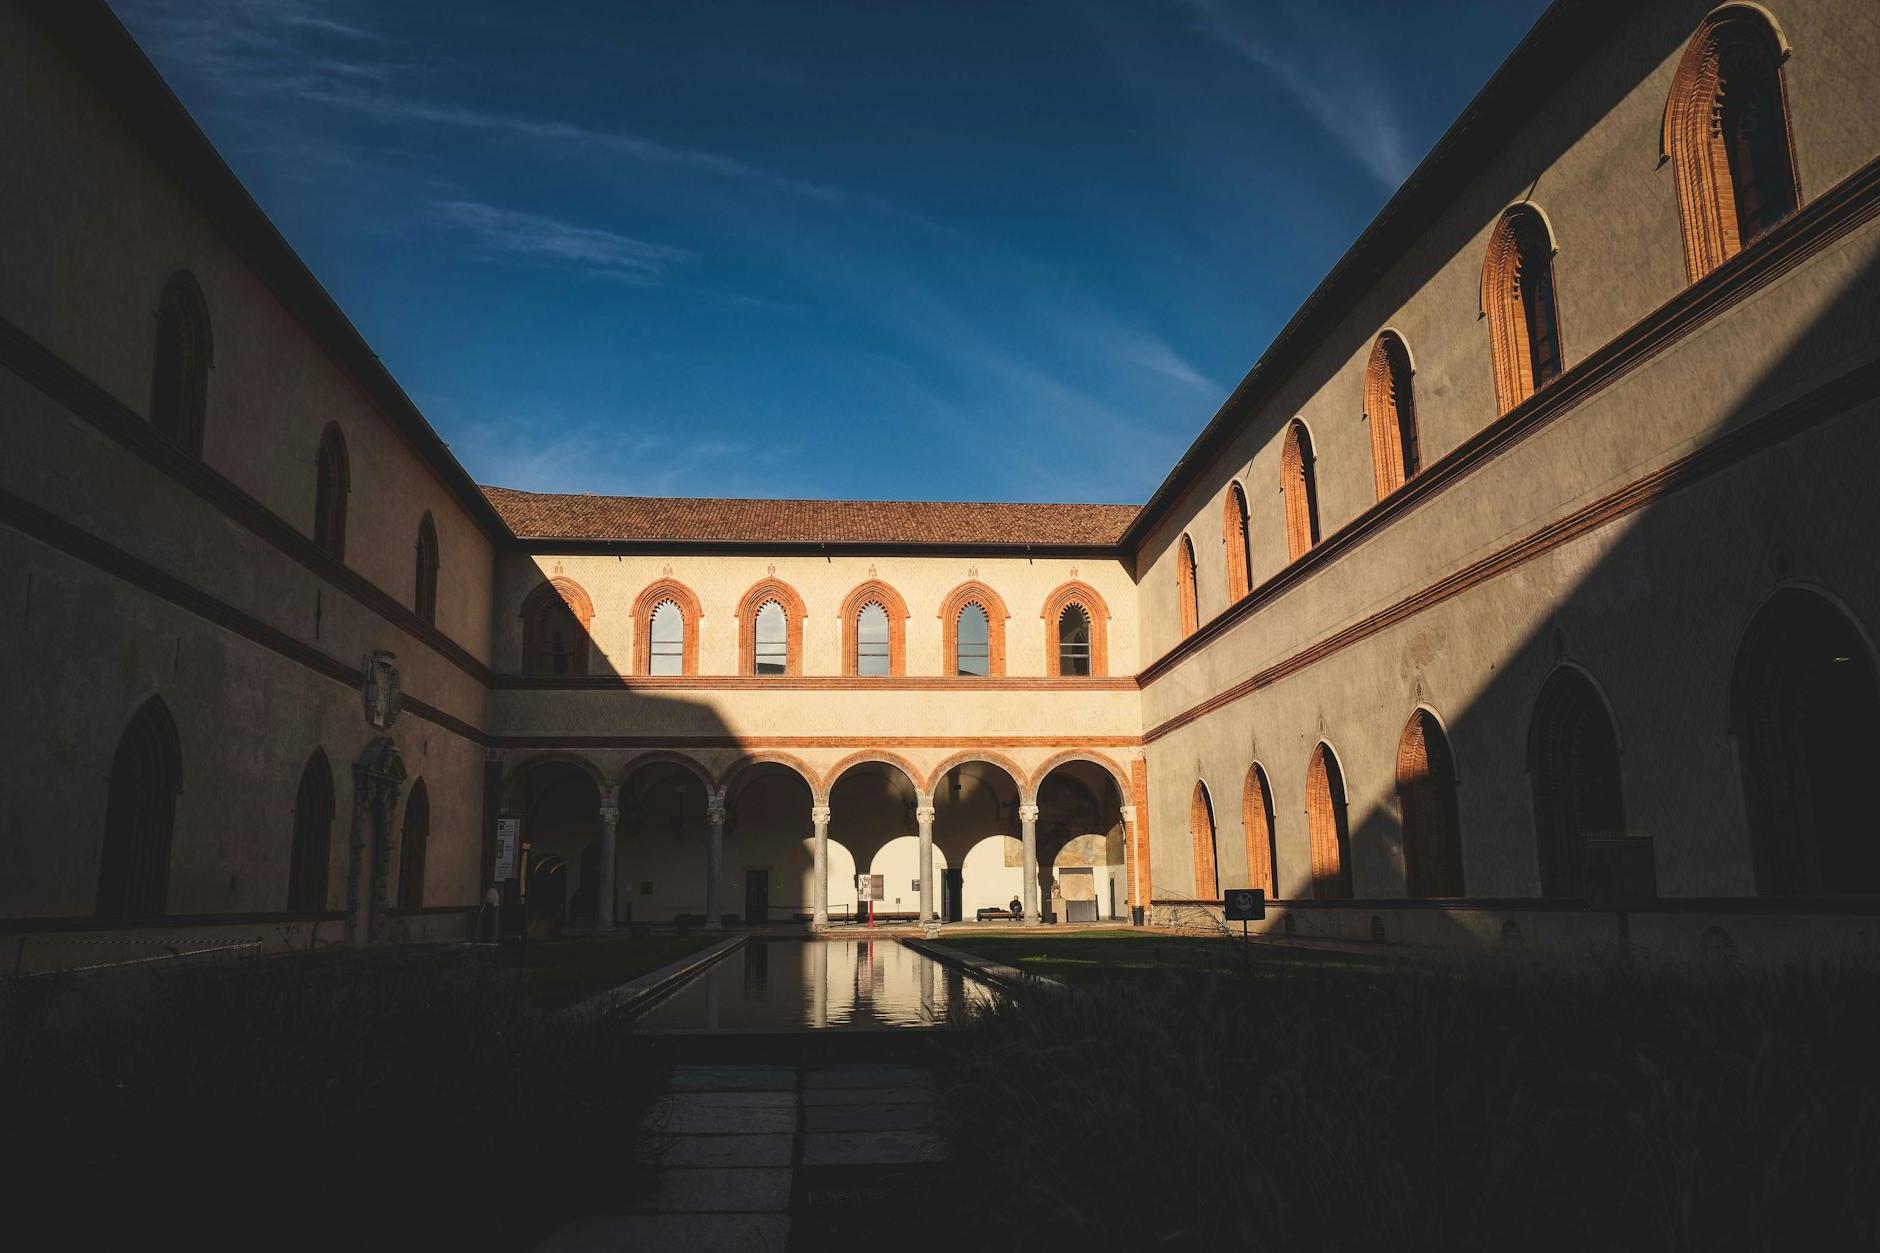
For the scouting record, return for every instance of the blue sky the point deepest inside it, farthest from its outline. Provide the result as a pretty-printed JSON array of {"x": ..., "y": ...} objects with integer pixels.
[{"x": 880, "y": 248}]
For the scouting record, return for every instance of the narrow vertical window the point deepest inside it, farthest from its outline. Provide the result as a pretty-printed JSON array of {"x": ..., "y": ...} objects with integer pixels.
[
  {"x": 1573, "y": 769},
  {"x": 413, "y": 838},
  {"x": 772, "y": 640},
  {"x": 1390, "y": 411},
  {"x": 332, "y": 483},
  {"x": 140, "y": 816},
  {"x": 1256, "y": 810},
  {"x": 666, "y": 649},
  {"x": 974, "y": 642},
  {"x": 1201, "y": 828},
  {"x": 1426, "y": 795},
  {"x": 555, "y": 638},
  {"x": 1328, "y": 825},
  {"x": 1186, "y": 589},
  {"x": 871, "y": 640},
  {"x": 179, "y": 381},
  {"x": 310, "y": 855},
  {"x": 1073, "y": 641},
  {"x": 424, "y": 597},
  {"x": 1519, "y": 306},
  {"x": 1299, "y": 487},
  {"x": 1236, "y": 543}
]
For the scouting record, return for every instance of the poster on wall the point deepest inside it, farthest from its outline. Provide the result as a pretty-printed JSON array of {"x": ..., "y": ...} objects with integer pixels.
[{"x": 507, "y": 832}]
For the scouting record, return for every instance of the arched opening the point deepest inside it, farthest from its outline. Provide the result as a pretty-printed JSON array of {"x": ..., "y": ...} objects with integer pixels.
[
  {"x": 555, "y": 637},
  {"x": 1082, "y": 854},
  {"x": 1185, "y": 588},
  {"x": 1256, "y": 812},
  {"x": 1726, "y": 134},
  {"x": 1573, "y": 769},
  {"x": 976, "y": 823},
  {"x": 558, "y": 802},
  {"x": 973, "y": 642},
  {"x": 874, "y": 630},
  {"x": 661, "y": 845},
  {"x": 770, "y": 845},
  {"x": 1329, "y": 828},
  {"x": 424, "y": 579},
  {"x": 310, "y": 858},
  {"x": 1390, "y": 410},
  {"x": 414, "y": 839},
  {"x": 1236, "y": 543},
  {"x": 1518, "y": 304},
  {"x": 1076, "y": 643},
  {"x": 871, "y": 640},
  {"x": 871, "y": 804},
  {"x": 972, "y": 620},
  {"x": 772, "y": 647},
  {"x": 332, "y": 479},
  {"x": 665, "y": 629},
  {"x": 1201, "y": 831},
  {"x": 898, "y": 864},
  {"x": 666, "y": 640},
  {"x": 140, "y": 816},
  {"x": 770, "y": 630},
  {"x": 1073, "y": 641},
  {"x": 1806, "y": 712},
  {"x": 179, "y": 376},
  {"x": 1299, "y": 488},
  {"x": 1426, "y": 795}
]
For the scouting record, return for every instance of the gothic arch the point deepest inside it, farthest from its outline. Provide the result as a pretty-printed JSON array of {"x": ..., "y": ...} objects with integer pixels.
[
  {"x": 1256, "y": 817},
  {"x": 877, "y": 592},
  {"x": 565, "y": 592},
  {"x": 656, "y": 594},
  {"x": 1236, "y": 542},
  {"x": 1187, "y": 586},
  {"x": 1299, "y": 490},
  {"x": 332, "y": 486},
  {"x": 1077, "y": 593},
  {"x": 424, "y": 573},
  {"x": 1390, "y": 411},
  {"x": 762, "y": 592},
  {"x": 185, "y": 351},
  {"x": 1202, "y": 830},
  {"x": 1329, "y": 825},
  {"x": 1517, "y": 297},
  {"x": 973, "y": 593},
  {"x": 140, "y": 815},
  {"x": 309, "y": 859},
  {"x": 1426, "y": 799},
  {"x": 1574, "y": 774}
]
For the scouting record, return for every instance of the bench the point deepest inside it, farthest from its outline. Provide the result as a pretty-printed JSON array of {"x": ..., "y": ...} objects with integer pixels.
[{"x": 993, "y": 913}]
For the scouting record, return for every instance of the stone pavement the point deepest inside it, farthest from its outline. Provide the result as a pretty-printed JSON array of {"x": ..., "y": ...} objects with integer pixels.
[{"x": 756, "y": 1159}]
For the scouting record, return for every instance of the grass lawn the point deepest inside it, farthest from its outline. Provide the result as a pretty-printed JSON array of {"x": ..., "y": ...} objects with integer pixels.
[
  {"x": 1096, "y": 956},
  {"x": 559, "y": 972}
]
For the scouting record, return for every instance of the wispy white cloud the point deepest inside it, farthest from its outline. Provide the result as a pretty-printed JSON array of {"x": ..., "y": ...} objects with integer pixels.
[
  {"x": 1321, "y": 73},
  {"x": 538, "y": 237}
]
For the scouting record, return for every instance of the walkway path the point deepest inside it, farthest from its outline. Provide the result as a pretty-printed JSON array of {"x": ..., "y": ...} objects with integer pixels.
[{"x": 752, "y": 1158}]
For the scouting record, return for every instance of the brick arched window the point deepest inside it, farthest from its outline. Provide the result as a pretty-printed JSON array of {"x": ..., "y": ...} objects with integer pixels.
[
  {"x": 1256, "y": 815},
  {"x": 665, "y": 629},
  {"x": 414, "y": 837},
  {"x": 1201, "y": 830},
  {"x": 1236, "y": 543},
  {"x": 971, "y": 651},
  {"x": 555, "y": 622},
  {"x": 1185, "y": 590},
  {"x": 1076, "y": 625},
  {"x": 770, "y": 629},
  {"x": 332, "y": 483},
  {"x": 874, "y": 631},
  {"x": 1805, "y": 709},
  {"x": 140, "y": 815},
  {"x": 1327, "y": 823},
  {"x": 1518, "y": 305},
  {"x": 179, "y": 376},
  {"x": 1573, "y": 770},
  {"x": 310, "y": 859},
  {"x": 1298, "y": 484},
  {"x": 1726, "y": 136},
  {"x": 1390, "y": 410},
  {"x": 424, "y": 574},
  {"x": 1426, "y": 795}
]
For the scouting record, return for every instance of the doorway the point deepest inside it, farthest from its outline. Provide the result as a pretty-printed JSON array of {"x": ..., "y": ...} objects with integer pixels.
[{"x": 756, "y": 897}]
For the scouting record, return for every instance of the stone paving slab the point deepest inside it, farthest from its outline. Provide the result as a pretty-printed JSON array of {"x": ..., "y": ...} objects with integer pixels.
[
  {"x": 871, "y": 1117},
  {"x": 909, "y": 1095},
  {"x": 871, "y": 1148},
  {"x": 753, "y": 1189},
  {"x": 732, "y": 1079},
  {"x": 695, "y": 1233},
  {"x": 678, "y": 1116},
  {"x": 715, "y": 1150},
  {"x": 861, "y": 1075}
]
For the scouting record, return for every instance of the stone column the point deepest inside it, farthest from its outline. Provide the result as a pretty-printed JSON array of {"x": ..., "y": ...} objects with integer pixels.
[
  {"x": 610, "y": 823},
  {"x": 1129, "y": 856},
  {"x": 1028, "y": 832},
  {"x": 714, "y": 859},
  {"x": 924, "y": 815},
  {"x": 819, "y": 887}
]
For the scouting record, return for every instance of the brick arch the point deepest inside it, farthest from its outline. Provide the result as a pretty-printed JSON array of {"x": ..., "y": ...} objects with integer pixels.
[
  {"x": 1299, "y": 490},
  {"x": 984, "y": 757},
  {"x": 1329, "y": 825},
  {"x": 1236, "y": 543},
  {"x": 1390, "y": 411},
  {"x": 579, "y": 604},
  {"x": 332, "y": 486},
  {"x": 685, "y": 761},
  {"x": 1426, "y": 798},
  {"x": 875, "y": 592},
  {"x": 513, "y": 777},
  {"x": 973, "y": 592},
  {"x": 878, "y": 756},
  {"x": 1117, "y": 775},
  {"x": 1077, "y": 593},
  {"x": 1187, "y": 586},
  {"x": 1201, "y": 829},
  {"x": 1256, "y": 819},
  {"x": 652, "y": 598},
  {"x": 1692, "y": 140},
  {"x": 765, "y": 590},
  {"x": 735, "y": 773},
  {"x": 1518, "y": 270},
  {"x": 185, "y": 352}
]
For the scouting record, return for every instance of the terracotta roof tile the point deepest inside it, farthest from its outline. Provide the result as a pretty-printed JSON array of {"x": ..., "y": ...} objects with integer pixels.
[{"x": 538, "y": 515}]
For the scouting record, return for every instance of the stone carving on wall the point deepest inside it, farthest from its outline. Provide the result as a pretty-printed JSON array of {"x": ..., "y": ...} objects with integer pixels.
[{"x": 381, "y": 692}]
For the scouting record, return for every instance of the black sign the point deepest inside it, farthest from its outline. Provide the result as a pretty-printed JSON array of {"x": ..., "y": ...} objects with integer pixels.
[{"x": 1246, "y": 904}]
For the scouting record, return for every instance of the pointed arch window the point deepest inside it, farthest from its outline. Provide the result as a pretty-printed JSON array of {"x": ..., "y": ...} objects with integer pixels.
[
  {"x": 666, "y": 640},
  {"x": 310, "y": 858},
  {"x": 424, "y": 575},
  {"x": 973, "y": 641},
  {"x": 770, "y": 630},
  {"x": 1573, "y": 769},
  {"x": 972, "y": 629},
  {"x": 1076, "y": 632},
  {"x": 874, "y": 631},
  {"x": 555, "y": 639},
  {"x": 140, "y": 816},
  {"x": 332, "y": 479},
  {"x": 1426, "y": 795},
  {"x": 1300, "y": 490},
  {"x": 1201, "y": 828},
  {"x": 871, "y": 640},
  {"x": 414, "y": 838},
  {"x": 1073, "y": 641},
  {"x": 773, "y": 639},
  {"x": 179, "y": 378},
  {"x": 1518, "y": 304},
  {"x": 1185, "y": 588},
  {"x": 1237, "y": 544},
  {"x": 1390, "y": 411},
  {"x": 1256, "y": 811},
  {"x": 1327, "y": 822},
  {"x": 1726, "y": 135}
]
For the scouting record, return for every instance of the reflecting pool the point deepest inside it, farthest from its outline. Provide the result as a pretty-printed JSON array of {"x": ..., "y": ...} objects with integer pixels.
[{"x": 777, "y": 985}]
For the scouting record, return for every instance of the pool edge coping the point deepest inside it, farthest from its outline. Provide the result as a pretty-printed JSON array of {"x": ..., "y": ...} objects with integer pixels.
[
  {"x": 635, "y": 993},
  {"x": 999, "y": 975}
]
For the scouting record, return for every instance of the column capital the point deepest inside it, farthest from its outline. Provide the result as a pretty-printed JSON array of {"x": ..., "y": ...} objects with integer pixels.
[
  {"x": 924, "y": 814},
  {"x": 819, "y": 814},
  {"x": 610, "y": 814},
  {"x": 1129, "y": 815},
  {"x": 715, "y": 813},
  {"x": 1028, "y": 813}
]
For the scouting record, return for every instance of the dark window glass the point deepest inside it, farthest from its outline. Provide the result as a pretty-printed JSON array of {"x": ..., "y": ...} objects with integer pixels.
[
  {"x": 1074, "y": 641},
  {"x": 772, "y": 654},
  {"x": 1536, "y": 278},
  {"x": 974, "y": 642},
  {"x": 667, "y": 655},
  {"x": 425, "y": 598},
  {"x": 1755, "y": 135}
]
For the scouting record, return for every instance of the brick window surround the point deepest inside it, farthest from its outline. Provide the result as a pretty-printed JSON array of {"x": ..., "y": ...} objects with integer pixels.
[
  {"x": 975, "y": 593},
  {"x": 1737, "y": 42},
  {"x": 574, "y": 598},
  {"x": 332, "y": 484},
  {"x": 1236, "y": 543},
  {"x": 1201, "y": 830},
  {"x": 655, "y": 595},
  {"x": 1077, "y": 593},
  {"x": 1390, "y": 411},
  {"x": 875, "y": 592},
  {"x": 179, "y": 375},
  {"x": 761, "y": 594},
  {"x": 1326, "y": 821},
  {"x": 1185, "y": 589},
  {"x": 1520, "y": 250},
  {"x": 1426, "y": 797},
  {"x": 1573, "y": 769},
  {"x": 1256, "y": 815},
  {"x": 1298, "y": 485}
]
